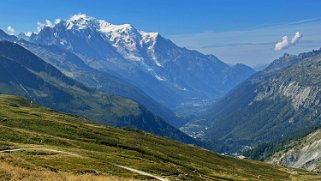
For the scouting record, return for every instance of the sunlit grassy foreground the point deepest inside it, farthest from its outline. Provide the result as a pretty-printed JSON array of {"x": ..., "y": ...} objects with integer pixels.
[{"x": 58, "y": 146}]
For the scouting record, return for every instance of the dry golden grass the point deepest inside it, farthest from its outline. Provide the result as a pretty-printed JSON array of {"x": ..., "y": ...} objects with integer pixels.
[{"x": 8, "y": 171}]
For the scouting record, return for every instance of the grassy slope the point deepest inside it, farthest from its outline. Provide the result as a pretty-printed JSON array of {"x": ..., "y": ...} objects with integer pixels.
[{"x": 97, "y": 149}]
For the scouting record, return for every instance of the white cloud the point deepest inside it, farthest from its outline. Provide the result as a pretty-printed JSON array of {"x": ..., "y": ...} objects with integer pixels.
[
  {"x": 296, "y": 37},
  {"x": 10, "y": 30},
  {"x": 285, "y": 43},
  {"x": 282, "y": 44}
]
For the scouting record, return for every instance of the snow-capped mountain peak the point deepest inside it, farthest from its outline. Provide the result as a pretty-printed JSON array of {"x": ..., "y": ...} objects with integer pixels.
[
  {"x": 80, "y": 16},
  {"x": 128, "y": 41},
  {"x": 83, "y": 21},
  {"x": 80, "y": 21}
]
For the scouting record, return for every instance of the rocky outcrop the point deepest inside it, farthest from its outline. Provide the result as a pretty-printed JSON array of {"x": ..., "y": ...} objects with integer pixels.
[{"x": 305, "y": 154}]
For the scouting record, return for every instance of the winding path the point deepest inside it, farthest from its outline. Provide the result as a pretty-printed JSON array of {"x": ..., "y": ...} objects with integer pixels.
[
  {"x": 143, "y": 173},
  {"x": 76, "y": 155},
  {"x": 41, "y": 149}
]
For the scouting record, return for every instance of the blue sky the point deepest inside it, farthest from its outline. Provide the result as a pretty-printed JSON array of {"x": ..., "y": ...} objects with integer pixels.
[{"x": 234, "y": 30}]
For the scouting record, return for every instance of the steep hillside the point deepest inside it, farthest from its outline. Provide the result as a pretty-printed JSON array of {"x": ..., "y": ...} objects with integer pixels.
[
  {"x": 22, "y": 73},
  {"x": 183, "y": 80},
  {"x": 271, "y": 105},
  {"x": 75, "y": 68},
  {"x": 302, "y": 153},
  {"x": 41, "y": 143}
]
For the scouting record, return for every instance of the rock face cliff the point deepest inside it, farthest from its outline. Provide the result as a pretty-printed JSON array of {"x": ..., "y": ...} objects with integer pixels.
[
  {"x": 304, "y": 153},
  {"x": 272, "y": 104}
]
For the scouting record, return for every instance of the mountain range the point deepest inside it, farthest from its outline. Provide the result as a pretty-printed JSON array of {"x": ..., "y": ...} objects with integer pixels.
[
  {"x": 72, "y": 66},
  {"x": 274, "y": 104},
  {"x": 181, "y": 80},
  {"x": 175, "y": 82},
  {"x": 23, "y": 73}
]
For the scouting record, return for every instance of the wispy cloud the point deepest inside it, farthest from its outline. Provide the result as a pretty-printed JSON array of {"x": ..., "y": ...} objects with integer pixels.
[
  {"x": 11, "y": 30},
  {"x": 235, "y": 45},
  {"x": 254, "y": 46}
]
